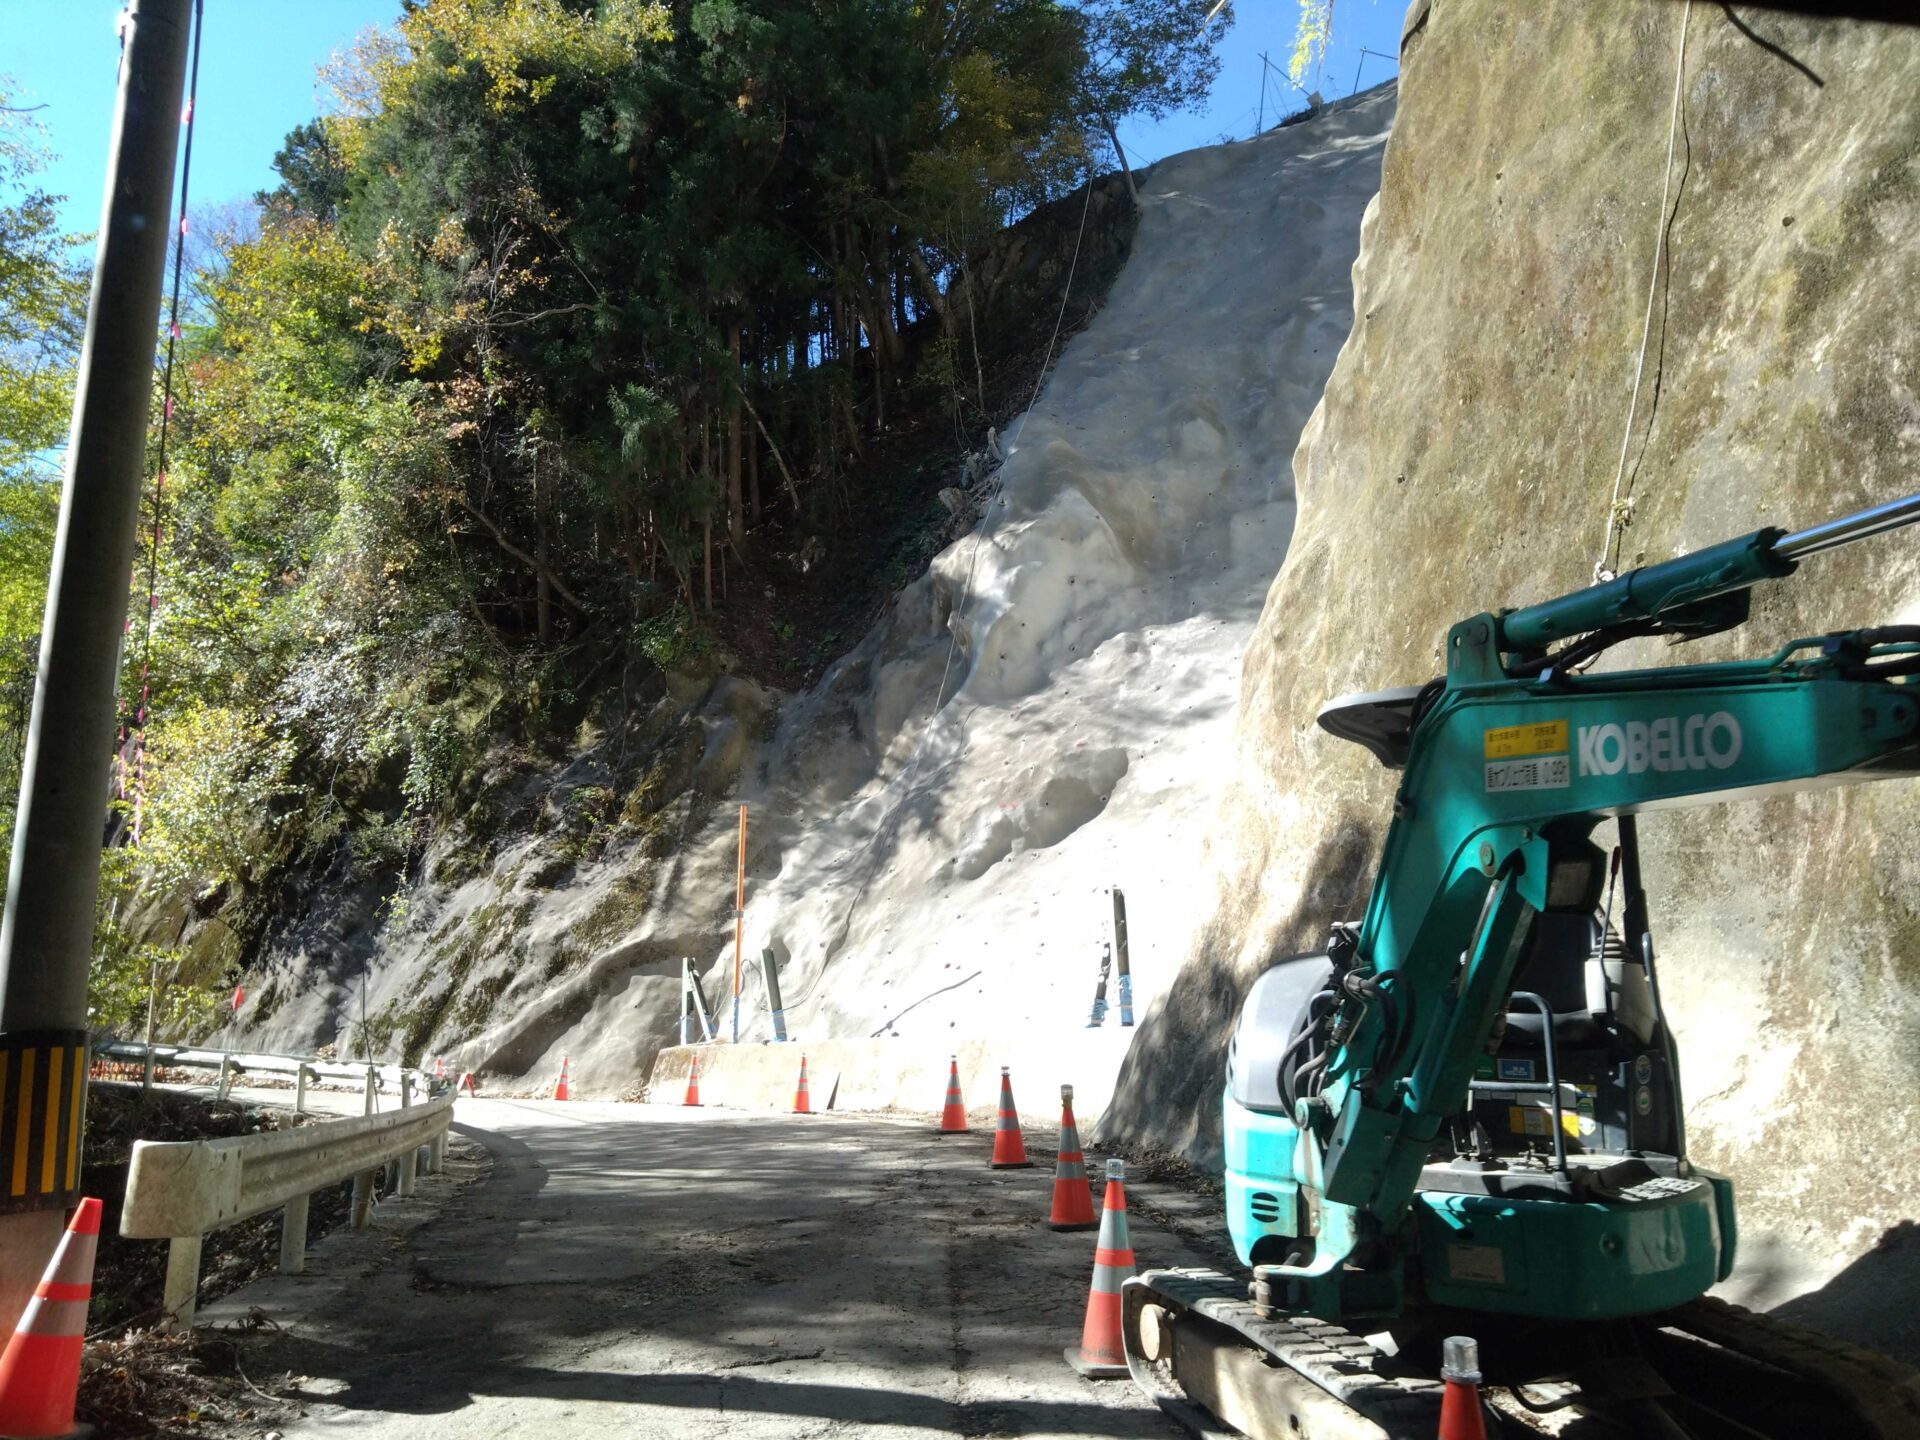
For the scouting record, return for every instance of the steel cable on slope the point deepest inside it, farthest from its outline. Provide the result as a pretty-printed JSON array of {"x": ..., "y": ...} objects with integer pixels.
[
  {"x": 1615, "y": 514},
  {"x": 139, "y": 728},
  {"x": 979, "y": 535}
]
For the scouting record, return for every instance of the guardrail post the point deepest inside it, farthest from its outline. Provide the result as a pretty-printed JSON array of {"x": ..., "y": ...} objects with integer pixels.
[
  {"x": 437, "y": 1154},
  {"x": 366, "y": 1107},
  {"x": 183, "y": 1282},
  {"x": 406, "y": 1088},
  {"x": 362, "y": 1199},
  {"x": 293, "y": 1236},
  {"x": 409, "y": 1166},
  {"x": 226, "y": 1078},
  {"x": 300, "y": 1090}
]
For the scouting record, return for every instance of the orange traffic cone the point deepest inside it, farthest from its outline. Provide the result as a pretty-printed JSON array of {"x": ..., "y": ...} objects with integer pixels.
[
  {"x": 1009, "y": 1145},
  {"x": 1072, "y": 1197},
  {"x": 439, "y": 1069},
  {"x": 560, "y": 1091},
  {"x": 468, "y": 1084},
  {"x": 801, "y": 1105},
  {"x": 1460, "y": 1413},
  {"x": 40, "y": 1371},
  {"x": 1102, "y": 1354},
  {"x": 693, "y": 1083},
  {"x": 953, "y": 1119}
]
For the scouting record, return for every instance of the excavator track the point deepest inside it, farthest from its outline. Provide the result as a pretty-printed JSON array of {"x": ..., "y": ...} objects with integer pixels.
[
  {"x": 1881, "y": 1394},
  {"x": 1298, "y": 1378},
  {"x": 1328, "y": 1359}
]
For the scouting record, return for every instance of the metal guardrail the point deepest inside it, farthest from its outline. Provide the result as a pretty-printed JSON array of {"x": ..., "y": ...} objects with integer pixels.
[
  {"x": 181, "y": 1190},
  {"x": 231, "y": 1062}
]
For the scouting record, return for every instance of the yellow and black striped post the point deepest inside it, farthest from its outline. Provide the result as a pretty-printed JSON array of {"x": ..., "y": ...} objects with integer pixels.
[{"x": 43, "y": 1086}]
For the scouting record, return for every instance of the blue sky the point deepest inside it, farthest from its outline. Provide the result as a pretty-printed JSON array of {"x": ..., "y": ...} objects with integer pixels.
[{"x": 258, "y": 60}]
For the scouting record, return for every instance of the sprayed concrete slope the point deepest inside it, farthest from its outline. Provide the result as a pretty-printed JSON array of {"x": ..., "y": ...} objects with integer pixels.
[{"x": 948, "y": 879}]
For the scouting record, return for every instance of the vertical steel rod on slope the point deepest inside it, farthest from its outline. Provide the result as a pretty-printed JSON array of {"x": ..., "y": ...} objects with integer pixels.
[{"x": 47, "y": 933}]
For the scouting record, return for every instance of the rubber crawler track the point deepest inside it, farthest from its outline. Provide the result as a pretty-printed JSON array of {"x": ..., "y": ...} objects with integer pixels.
[{"x": 1882, "y": 1394}]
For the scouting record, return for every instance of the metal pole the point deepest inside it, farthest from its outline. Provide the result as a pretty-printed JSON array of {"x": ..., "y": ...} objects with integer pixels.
[
  {"x": 686, "y": 966},
  {"x": 1099, "y": 1016},
  {"x": 153, "y": 1000},
  {"x": 1261, "y": 123},
  {"x": 1120, "y": 956},
  {"x": 739, "y": 914},
  {"x": 771, "y": 970},
  {"x": 46, "y": 937},
  {"x": 700, "y": 1008}
]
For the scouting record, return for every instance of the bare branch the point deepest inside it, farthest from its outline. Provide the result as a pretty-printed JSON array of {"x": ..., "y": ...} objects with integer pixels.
[
  {"x": 780, "y": 460},
  {"x": 545, "y": 571}
]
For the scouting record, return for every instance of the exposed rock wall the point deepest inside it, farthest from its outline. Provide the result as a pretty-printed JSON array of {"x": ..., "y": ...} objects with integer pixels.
[{"x": 1464, "y": 457}]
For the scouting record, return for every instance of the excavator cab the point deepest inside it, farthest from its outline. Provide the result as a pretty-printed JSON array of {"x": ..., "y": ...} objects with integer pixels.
[{"x": 1559, "y": 1187}]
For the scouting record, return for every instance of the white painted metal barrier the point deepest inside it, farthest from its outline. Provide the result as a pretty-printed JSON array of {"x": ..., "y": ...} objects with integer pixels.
[
  {"x": 230, "y": 1062},
  {"x": 181, "y": 1190}
]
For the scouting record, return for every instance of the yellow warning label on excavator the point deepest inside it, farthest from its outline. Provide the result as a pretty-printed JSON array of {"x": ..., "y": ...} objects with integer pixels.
[
  {"x": 1543, "y": 737},
  {"x": 1538, "y": 1120}
]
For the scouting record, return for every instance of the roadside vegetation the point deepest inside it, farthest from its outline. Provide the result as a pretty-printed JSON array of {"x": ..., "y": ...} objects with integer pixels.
[{"x": 573, "y": 335}]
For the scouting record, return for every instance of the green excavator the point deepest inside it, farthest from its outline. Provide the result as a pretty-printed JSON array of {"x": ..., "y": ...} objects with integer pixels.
[{"x": 1463, "y": 1117}]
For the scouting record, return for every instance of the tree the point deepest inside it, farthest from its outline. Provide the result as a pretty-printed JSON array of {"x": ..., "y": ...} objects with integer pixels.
[
  {"x": 42, "y": 309},
  {"x": 1311, "y": 35},
  {"x": 313, "y": 171},
  {"x": 1148, "y": 57}
]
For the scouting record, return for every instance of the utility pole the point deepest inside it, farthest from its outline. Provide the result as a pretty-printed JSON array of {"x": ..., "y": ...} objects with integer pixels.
[{"x": 46, "y": 937}]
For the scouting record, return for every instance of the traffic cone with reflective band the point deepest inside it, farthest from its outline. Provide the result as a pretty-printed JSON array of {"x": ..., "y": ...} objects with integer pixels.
[
  {"x": 468, "y": 1084},
  {"x": 953, "y": 1119},
  {"x": 439, "y": 1068},
  {"x": 1072, "y": 1196},
  {"x": 1102, "y": 1354},
  {"x": 1461, "y": 1417},
  {"x": 801, "y": 1104},
  {"x": 1009, "y": 1145},
  {"x": 693, "y": 1083},
  {"x": 40, "y": 1371},
  {"x": 560, "y": 1091}
]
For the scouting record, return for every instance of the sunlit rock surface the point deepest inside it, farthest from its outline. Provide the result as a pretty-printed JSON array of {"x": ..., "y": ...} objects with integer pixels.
[{"x": 1464, "y": 458}]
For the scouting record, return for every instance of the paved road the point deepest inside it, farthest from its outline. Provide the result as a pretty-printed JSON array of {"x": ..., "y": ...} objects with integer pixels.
[{"x": 640, "y": 1270}]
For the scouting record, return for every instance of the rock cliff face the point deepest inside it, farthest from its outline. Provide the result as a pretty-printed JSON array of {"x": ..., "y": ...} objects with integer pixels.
[{"x": 1464, "y": 458}]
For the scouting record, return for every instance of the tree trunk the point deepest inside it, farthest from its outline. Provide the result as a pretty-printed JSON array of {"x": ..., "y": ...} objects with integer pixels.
[
  {"x": 530, "y": 561},
  {"x": 929, "y": 288},
  {"x": 753, "y": 479},
  {"x": 1125, "y": 169},
  {"x": 706, "y": 517},
  {"x": 543, "y": 584},
  {"x": 736, "y": 508}
]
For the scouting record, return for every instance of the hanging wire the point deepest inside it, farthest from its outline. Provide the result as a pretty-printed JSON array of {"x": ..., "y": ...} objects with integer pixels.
[
  {"x": 139, "y": 729},
  {"x": 1619, "y": 505}
]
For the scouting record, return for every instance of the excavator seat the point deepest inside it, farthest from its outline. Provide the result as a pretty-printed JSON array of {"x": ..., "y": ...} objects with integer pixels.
[{"x": 1558, "y": 966}]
